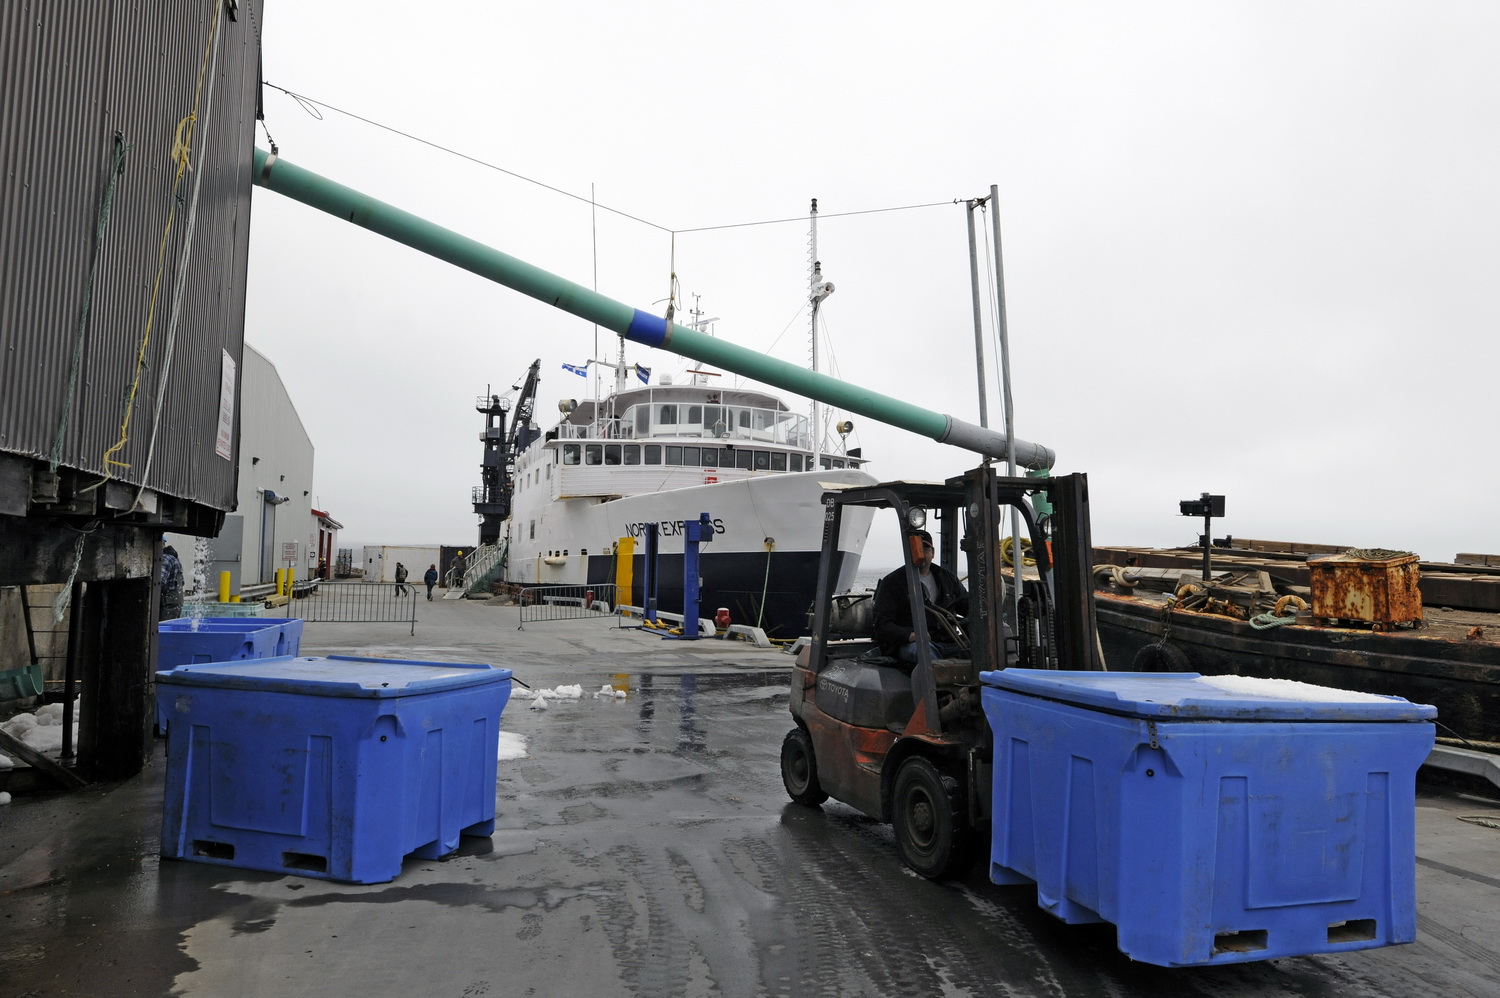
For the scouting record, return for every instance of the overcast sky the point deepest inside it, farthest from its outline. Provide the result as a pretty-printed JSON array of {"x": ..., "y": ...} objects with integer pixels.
[{"x": 1250, "y": 248}]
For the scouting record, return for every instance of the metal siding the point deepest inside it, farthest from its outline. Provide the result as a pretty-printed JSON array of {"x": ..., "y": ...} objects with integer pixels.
[{"x": 73, "y": 74}]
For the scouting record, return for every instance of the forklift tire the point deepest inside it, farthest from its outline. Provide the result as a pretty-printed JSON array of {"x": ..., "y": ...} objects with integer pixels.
[
  {"x": 929, "y": 816},
  {"x": 799, "y": 769}
]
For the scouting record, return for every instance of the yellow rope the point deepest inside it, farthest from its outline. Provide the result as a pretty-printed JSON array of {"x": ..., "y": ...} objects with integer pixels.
[{"x": 181, "y": 151}]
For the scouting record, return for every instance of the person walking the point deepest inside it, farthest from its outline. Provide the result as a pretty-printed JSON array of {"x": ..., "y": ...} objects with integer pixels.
[
  {"x": 431, "y": 579},
  {"x": 401, "y": 589},
  {"x": 171, "y": 584}
]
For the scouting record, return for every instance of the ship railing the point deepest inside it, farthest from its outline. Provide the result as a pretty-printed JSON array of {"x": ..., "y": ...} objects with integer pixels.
[
  {"x": 547, "y": 602},
  {"x": 758, "y": 425}
]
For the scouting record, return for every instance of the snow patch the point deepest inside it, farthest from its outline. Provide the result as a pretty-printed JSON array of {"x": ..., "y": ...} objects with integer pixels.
[
  {"x": 41, "y": 731},
  {"x": 1289, "y": 689},
  {"x": 512, "y": 746}
]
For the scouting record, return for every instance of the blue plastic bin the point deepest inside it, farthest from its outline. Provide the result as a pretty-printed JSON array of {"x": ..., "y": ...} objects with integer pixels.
[
  {"x": 1208, "y": 826},
  {"x": 331, "y": 767},
  {"x": 179, "y": 642}
]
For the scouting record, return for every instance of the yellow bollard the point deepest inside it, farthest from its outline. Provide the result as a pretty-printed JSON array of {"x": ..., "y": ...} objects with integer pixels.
[
  {"x": 624, "y": 569},
  {"x": 235, "y": 598},
  {"x": 280, "y": 582},
  {"x": 223, "y": 587}
]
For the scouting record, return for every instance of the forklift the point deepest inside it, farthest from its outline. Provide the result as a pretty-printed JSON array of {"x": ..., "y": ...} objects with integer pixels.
[{"x": 909, "y": 744}]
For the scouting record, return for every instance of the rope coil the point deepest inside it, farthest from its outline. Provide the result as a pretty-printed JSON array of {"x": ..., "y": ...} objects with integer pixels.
[{"x": 1279, "y": 615}]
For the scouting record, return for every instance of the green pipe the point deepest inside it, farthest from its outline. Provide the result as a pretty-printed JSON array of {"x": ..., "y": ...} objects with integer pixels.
[{"x": 285, "y": 178}]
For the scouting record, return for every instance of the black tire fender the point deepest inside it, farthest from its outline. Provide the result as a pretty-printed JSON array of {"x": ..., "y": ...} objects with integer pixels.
[{"x": 1160, "y": 657}]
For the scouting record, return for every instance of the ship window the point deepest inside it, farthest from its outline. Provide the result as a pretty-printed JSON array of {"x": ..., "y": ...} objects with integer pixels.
[
  {"x": 593, "y": 454},
  {"x": 712, "y": 414},
  {"x": 762, "y": 460},
  {"x": 668, "y": 414},
  {"x": 695, "y": 413},
  {"x": 744, "y": 419},
  {"x": 549, "y": 471},
  {"x": 744, "y": 459},
  {"x": 778, "y": 461},
  {"x": 674, "y": 455},
  {"x": 533, "y": 531},
  {"x": 825, "y": 463},
  {"x": 710, "y": 457},
  {"x": 762, "y": 419},
  {"x": 838, "y": 462},
  {"x": 653, "y": 454},
  {"x": 642, "y": 419},
  {"x": 690, "y": 456},
  {"x": 632, "y": 453},
  {"x": 570, "y": 453},
  {"x": 796, "y": 462},
  {"x": 611, "y": 453}
]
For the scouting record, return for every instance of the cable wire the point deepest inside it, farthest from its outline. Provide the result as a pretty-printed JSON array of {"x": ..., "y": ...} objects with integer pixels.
[{"x": 311, "y": 104}]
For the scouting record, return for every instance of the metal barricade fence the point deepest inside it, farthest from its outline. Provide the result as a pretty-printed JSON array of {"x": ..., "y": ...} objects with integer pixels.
[
  {"x": 357, "y": 603},
  {"x": 557, "y": 602}
]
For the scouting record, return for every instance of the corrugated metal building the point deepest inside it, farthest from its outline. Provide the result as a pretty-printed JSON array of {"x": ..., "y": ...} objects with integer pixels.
[{"x": 126, "y": 134}]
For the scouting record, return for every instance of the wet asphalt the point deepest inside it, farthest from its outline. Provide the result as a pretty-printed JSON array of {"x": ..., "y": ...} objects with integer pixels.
[{"x": 644, "y": 847}]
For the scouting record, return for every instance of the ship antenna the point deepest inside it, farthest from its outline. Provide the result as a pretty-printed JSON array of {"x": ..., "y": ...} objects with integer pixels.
[{"x": 817, "y": 290}]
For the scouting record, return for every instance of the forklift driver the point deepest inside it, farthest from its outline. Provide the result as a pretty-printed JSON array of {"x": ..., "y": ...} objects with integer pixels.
[{"x": 940, "y": 589}]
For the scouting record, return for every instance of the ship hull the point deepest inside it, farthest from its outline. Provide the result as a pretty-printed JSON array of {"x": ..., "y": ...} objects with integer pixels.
[{"x": 761, "y": 564}]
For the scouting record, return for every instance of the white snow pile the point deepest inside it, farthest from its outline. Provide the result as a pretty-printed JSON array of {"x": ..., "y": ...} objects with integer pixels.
[
  {"x": 41, "y": 731},
  {"x": 6, "y": 762},
  {"x": 571, "y": 693},
  {"x": 1288, "y": 689},
  {"x": 560, "y": 693},
  {"x": 512, "y": 746},
  {"x": 4, "y": 798}
]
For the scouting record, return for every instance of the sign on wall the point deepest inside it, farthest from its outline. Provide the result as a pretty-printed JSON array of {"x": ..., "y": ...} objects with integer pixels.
[{"x": 224, "y": 446}]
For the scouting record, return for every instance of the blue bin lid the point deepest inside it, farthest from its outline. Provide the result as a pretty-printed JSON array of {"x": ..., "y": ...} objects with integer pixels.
[
  {"x": 186, "y": 625},
  {"x": 335, "y": 676},
  {"x": 1156, "y": 695}
]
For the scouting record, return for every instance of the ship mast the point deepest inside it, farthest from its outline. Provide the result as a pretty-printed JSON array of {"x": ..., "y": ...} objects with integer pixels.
[{"x": 817, "y": 290}]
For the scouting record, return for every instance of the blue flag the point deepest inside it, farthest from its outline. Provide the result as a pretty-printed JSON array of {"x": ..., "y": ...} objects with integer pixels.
[
  {"x": 644, "y": 373},
  {"x": 582, "y": 370}
]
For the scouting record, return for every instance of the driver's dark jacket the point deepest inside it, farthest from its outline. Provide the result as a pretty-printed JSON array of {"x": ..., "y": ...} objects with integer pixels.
[{"x": 893, "y": 609}]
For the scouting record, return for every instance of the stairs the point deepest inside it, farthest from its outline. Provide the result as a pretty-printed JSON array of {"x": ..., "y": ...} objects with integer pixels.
[{"x": 483, "y": 566}]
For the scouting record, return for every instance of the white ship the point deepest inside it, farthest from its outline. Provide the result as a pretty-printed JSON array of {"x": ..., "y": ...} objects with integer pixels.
[{"x": 667, "y": 453}]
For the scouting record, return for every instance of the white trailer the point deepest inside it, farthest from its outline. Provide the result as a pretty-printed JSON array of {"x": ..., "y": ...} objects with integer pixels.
[{"x": 380, "y": 561}]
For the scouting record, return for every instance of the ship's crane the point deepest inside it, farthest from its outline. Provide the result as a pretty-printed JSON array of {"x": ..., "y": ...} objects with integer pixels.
[{"x": 497, "y": 472}]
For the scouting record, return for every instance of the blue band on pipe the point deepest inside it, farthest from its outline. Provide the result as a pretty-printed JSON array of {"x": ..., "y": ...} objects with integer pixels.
[{"x": 647, "y": 328}]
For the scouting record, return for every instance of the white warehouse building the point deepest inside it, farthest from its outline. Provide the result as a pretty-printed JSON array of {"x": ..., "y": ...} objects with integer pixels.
[{"x": 273, "y": 525}]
